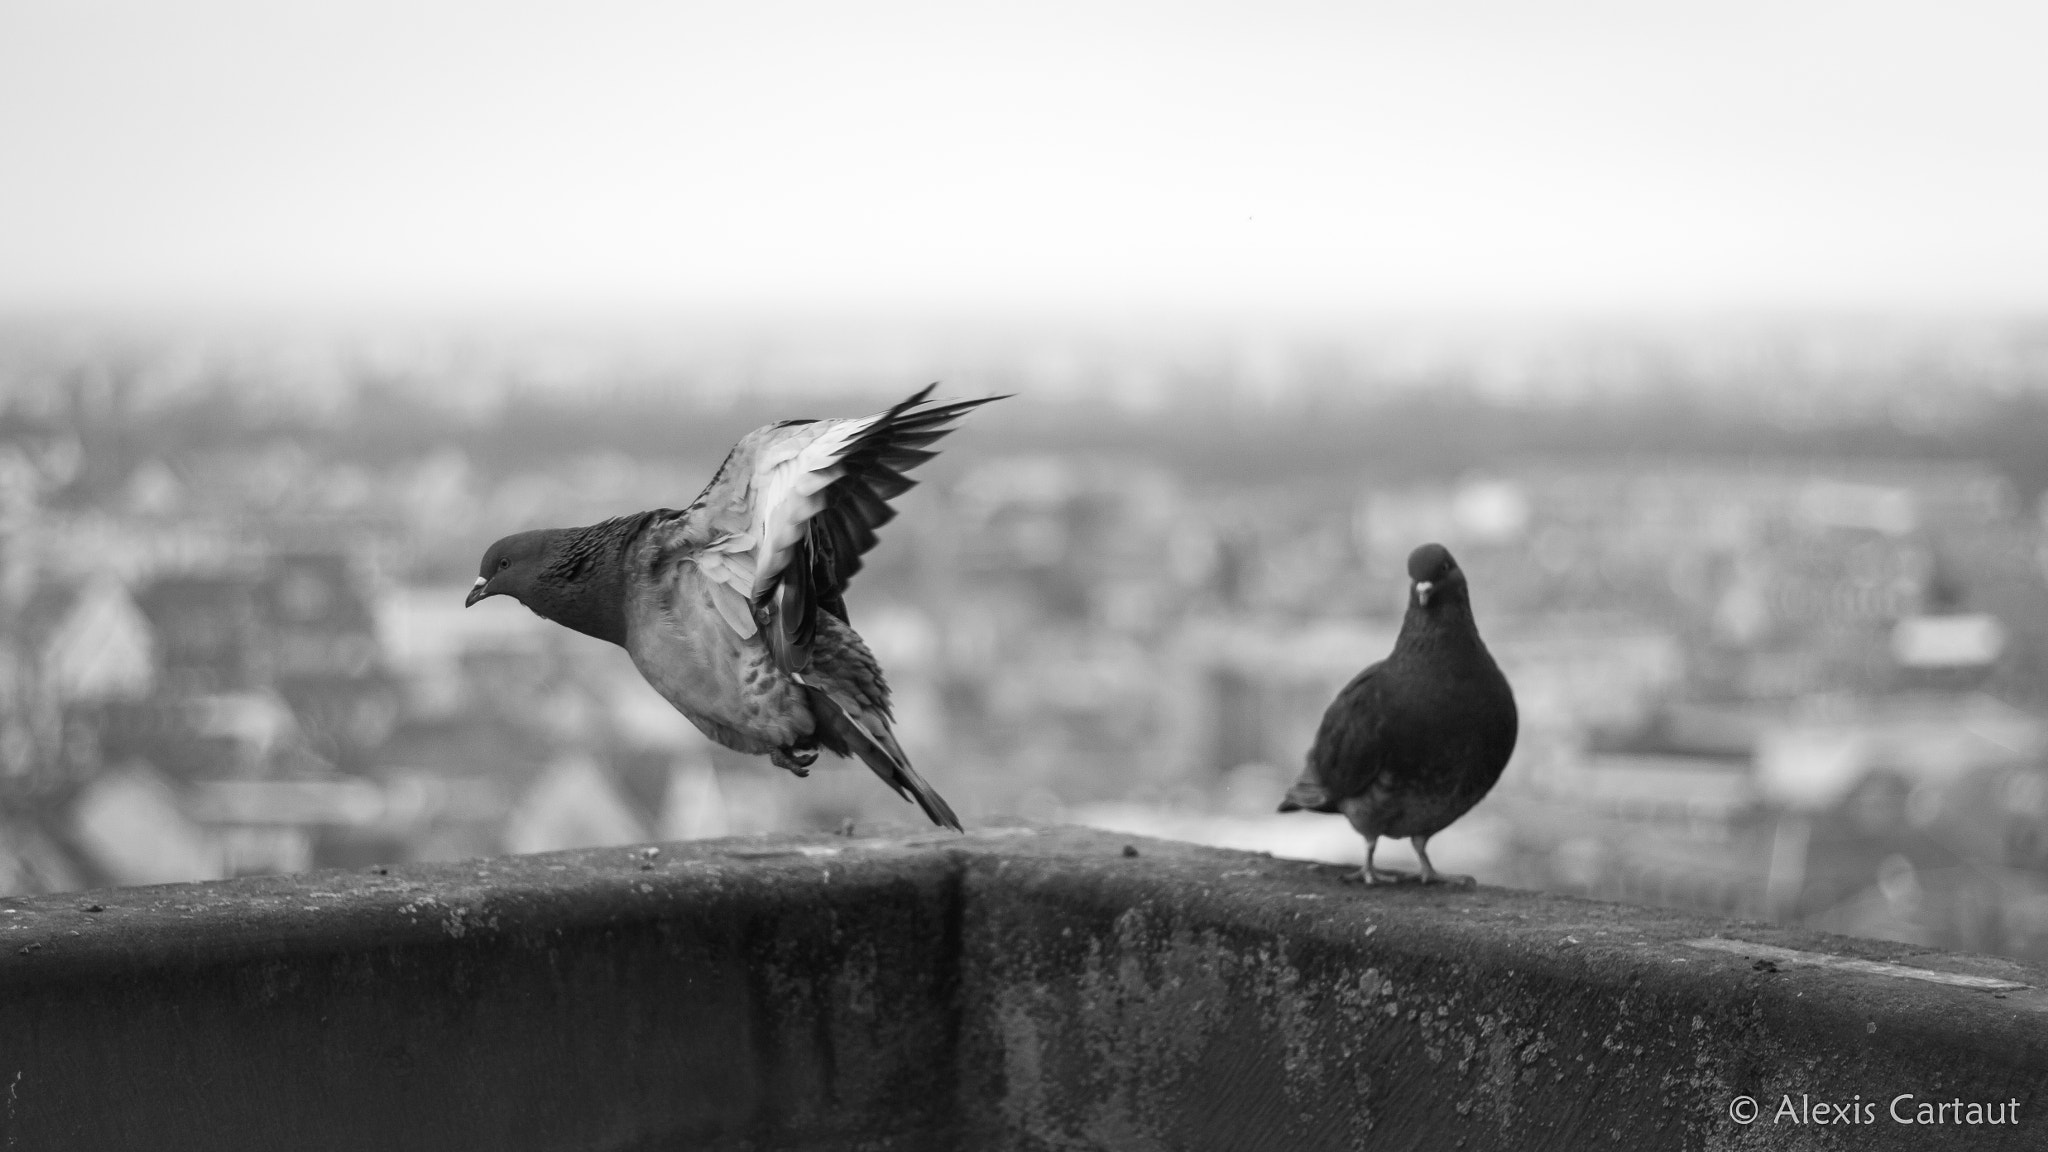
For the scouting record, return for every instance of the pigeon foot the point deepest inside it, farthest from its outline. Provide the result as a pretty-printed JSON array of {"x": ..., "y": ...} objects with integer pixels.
[
  {"x": 797, "y": 763},
  {"x": 1429, "y": 873},
  {"x": 1373, "y": 876}
]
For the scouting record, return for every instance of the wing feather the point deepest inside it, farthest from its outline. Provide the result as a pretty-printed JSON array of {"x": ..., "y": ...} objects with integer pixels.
[
  {"x": 733, "y": 609},
  {"x": 793, "y": 508},
  {"x": 824, "y": 503},
  {"x": 1347, "y": 754},
  {"x": 729, "y": 563}
]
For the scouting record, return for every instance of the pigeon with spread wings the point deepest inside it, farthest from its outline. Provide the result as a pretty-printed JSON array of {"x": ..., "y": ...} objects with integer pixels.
[{"x": 733, "y": 608}]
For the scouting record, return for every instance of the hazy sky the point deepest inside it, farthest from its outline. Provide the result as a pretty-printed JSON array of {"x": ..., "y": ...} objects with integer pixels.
[{"x": 1495, "y": 154}]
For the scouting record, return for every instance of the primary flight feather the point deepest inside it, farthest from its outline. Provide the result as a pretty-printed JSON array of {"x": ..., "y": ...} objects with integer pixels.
[{"x": 734, "y": 608}]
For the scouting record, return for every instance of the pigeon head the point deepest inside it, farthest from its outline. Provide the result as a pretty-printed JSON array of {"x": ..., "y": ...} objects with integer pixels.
[
  {"x": 511, "y": 566},
  {"x": 1437, "y": 577},
  {"x": 573, "y": 576}
]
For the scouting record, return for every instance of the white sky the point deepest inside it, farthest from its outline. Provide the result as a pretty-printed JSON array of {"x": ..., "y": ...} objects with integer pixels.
[{"x": 1452, "y": 154}]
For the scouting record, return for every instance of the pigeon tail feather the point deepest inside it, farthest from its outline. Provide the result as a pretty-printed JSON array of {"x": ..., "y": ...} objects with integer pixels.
[
  {"x": 877, "y": 748},
  {"x": 1308, "y": 795}
]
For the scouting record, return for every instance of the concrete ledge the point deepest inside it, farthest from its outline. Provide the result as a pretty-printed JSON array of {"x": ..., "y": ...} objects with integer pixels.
[
  {"x": 1197, "y": 999},
  {"x": 719, "y": 999},
  {"x": 1009, "y": 989}
]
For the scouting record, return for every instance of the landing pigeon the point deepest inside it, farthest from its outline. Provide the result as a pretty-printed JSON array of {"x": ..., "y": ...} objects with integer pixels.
[
  {"x": 733, "y": 608},
  {"x": 1414, "y": 741}
]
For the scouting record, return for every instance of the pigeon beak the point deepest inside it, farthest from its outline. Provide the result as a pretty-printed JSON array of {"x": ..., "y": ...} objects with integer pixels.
[
  {"x": 476, "y": 592},
  {"x": 1422, "y": 590}
]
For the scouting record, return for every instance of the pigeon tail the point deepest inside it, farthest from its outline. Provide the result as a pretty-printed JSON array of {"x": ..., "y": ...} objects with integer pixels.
[
  {"x": 1308, "y": 795},
  {"x": 876, "y": 746}
]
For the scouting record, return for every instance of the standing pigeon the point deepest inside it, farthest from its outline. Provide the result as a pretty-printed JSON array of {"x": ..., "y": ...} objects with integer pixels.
[
  {"x": 1414, "y": 741},
  {"x": 733, "y": 607}
]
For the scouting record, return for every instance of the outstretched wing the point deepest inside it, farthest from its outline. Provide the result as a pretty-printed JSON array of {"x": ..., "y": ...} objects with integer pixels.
[{"x": 787, "y": 518}]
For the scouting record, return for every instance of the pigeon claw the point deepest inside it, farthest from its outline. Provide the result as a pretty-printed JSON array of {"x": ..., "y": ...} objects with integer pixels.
[
  {"x": 1376, "y": 876},
  {"x": 797, "y": 763},
  {"x": 1429, "y": 873},
  {"x": 1450, "y": 881}
]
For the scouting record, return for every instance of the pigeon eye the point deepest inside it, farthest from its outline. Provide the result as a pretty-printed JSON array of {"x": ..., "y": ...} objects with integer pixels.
[{"x": 504, "y": 563}]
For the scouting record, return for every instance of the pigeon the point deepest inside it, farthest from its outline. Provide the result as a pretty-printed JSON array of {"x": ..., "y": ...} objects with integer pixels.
[
  {"x": 1414, "y": 741},
  {"x": 733, "y": 609}
]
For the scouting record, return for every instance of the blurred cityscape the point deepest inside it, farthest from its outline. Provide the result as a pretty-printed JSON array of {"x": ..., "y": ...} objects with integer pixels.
[{"x": 1774, "y": 600}]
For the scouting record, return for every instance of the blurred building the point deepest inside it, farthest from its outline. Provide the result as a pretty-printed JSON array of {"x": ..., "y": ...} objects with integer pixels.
[{"x": 1805, "y": 682}]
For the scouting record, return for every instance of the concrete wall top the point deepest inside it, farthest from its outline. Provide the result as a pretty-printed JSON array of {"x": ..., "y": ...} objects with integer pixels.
[{"x": 1016, "y": 988}]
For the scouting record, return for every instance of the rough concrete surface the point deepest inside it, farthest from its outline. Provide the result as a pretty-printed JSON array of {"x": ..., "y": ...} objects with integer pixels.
[
  {"x": 1194, "y": 999},
  {"x": 1013, "y": 988},
  {"x": 574, "y": 1001}
]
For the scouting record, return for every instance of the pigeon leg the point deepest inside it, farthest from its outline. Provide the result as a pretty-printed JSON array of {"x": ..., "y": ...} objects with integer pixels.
[
  {"x": 1375, "y": 875},
  {"x": 792, "y": 760},
  {"x": 1429, "y": 873}
]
